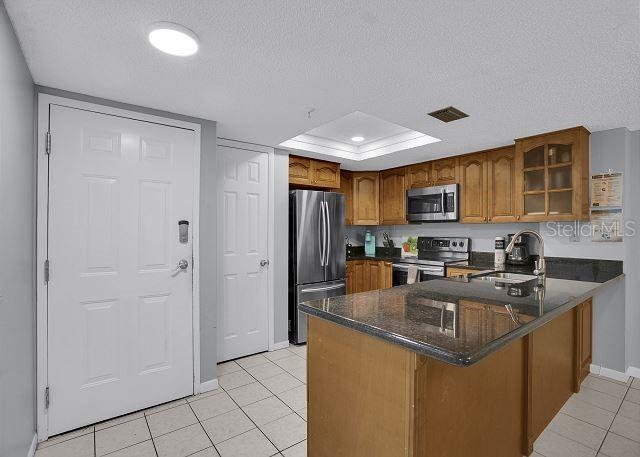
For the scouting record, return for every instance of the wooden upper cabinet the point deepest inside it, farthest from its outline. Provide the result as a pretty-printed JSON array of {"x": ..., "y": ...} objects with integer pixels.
[
  {"x": 473, "y": 188},
  {"x": 307, "y": 172},
  {"x": 325, "y": 174},
  {"x": 501, "y": 185},
  {"x": 552, "y": 176},
  {"x": 366, "y": 198},
  {"x": 299, "y": 170},
  {"x": 418, "y": 175},
  {"x": 393, "y": 196},
  {"x": 346, "y": 187},
  {"x": 444, "y": 171}
]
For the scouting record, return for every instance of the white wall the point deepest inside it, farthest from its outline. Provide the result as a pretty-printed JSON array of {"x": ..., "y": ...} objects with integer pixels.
[
  {"x": 280, "y": 262},
  {"x": 17, "y": 247}
]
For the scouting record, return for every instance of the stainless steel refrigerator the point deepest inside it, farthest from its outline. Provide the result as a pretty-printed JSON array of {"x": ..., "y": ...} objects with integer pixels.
[{"x": 316, "y": 253}]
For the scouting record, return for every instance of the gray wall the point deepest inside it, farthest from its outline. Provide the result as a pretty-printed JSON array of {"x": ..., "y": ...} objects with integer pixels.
[
  {"x": 281, "y": 246},
  {"x": 17, "y": 247},
  {"x": 208, "y": 253}
]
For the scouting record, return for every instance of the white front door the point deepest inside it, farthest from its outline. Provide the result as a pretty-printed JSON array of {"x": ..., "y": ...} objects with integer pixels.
[
  {"x": 119, "y": 313},
  {"x": 243, "y": 326}
]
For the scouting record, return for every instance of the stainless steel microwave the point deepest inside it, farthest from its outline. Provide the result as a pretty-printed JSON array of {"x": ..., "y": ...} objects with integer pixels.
[{"x": 433, "y": 204}]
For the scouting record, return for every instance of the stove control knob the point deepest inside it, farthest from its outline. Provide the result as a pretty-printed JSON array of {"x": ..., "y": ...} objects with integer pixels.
[
  {"x": 461, "y": 243},
  {"x": 455, "y": 244}
]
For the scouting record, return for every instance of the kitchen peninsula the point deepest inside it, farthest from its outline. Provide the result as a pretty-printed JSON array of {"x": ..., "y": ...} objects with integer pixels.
[{"x": 466, "y": 366}]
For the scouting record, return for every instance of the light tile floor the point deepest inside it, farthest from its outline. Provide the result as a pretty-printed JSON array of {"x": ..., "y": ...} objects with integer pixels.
[{"x": 261, "y": 411}]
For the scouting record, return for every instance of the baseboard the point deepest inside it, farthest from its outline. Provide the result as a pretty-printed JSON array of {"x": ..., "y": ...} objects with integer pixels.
[
  {"x": 34, "y": 445},
  {"x": 208, "y": 386},
  {"x": 609, "y": 373},
  {"x": 633, "y": 371},
  {"x": 280, "y": 345}
]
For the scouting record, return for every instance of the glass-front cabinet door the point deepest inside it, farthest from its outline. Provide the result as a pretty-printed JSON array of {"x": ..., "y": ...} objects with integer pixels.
[{"x": 552, "y": 176}]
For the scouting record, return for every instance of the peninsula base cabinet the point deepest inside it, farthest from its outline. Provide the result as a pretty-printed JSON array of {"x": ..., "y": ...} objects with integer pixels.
[
  {"x": 396, "y": 397},
  {"x": 366, "y": 275}
]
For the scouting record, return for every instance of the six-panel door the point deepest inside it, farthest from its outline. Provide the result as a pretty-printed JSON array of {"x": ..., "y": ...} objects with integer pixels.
[{"x": 119, "y": 311}]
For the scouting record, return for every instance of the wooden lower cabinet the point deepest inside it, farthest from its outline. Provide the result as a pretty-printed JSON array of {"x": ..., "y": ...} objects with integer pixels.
[
  {"x": 368, "y": 397},
  {"x": 585, "y": 335},
  {"x": 366, "y": 275},
  {"x": 452, "y": 271}
]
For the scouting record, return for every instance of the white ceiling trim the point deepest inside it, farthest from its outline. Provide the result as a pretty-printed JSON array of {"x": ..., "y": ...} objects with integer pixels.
[{"x": 395, "y": 143}]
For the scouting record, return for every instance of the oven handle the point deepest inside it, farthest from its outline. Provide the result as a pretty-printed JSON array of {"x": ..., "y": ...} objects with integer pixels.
[{"x": 400, "y": 266}]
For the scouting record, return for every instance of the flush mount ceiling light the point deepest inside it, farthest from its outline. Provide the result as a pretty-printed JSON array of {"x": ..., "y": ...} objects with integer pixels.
[
  {"x": 357, "y": 139},
  {"x": 173, "y": 39}
]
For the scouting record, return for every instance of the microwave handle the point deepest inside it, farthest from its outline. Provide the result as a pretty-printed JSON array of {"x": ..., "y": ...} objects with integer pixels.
[{"x": 442, "y": 196}]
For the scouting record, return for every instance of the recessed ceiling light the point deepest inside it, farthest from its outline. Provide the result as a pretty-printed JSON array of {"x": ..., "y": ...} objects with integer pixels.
[
  {"x": 173, "y": 39},
  {"x": 357, "y": 139}
]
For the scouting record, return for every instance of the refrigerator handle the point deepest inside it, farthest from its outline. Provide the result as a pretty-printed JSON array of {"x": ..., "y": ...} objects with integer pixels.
[
  {"x": 326, "y": 207},
  {"x": 321, "y": 234}
]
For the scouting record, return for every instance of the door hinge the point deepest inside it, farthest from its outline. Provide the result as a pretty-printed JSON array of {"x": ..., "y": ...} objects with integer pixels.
[
  {"x": 46, "y": 270},
  {"x": 48, "y": 143},
  {"x": 46, "y": 398}
]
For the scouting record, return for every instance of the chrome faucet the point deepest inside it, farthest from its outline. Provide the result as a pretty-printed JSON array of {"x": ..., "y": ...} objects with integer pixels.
[{"x": 540, "y": 263}]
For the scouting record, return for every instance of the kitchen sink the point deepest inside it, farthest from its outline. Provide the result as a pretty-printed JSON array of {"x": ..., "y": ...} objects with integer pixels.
[{"x": 504, "y": 277}]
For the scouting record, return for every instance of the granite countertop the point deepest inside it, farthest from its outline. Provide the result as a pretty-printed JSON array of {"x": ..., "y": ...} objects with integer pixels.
[
  {"x": 592, "y": 270},
  {"x": 433, "y": 318}
]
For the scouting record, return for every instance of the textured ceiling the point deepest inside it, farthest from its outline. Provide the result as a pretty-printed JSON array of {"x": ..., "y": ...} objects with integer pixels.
[{"x": 516, "y": 67}]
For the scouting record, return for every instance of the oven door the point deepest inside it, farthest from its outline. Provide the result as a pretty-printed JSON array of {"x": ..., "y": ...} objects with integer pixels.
[
  {"x": 438, "y": 203},
  {"x": 425, "y": 273}
]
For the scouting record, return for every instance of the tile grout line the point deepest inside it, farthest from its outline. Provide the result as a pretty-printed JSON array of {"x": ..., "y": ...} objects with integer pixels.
[
  {"x": 204, "y": 430},
  {"x": 614, "y": 419},
  {"x": 146, "y": 421}
]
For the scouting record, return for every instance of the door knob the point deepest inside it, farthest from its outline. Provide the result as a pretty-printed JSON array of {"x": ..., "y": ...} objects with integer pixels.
[
  {"x": 182, "y": 265},
  {"x": 264, "y": 263}
]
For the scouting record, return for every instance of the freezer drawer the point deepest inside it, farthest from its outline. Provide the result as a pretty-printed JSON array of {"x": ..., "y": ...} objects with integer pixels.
[{"x": 309, "y": 292}]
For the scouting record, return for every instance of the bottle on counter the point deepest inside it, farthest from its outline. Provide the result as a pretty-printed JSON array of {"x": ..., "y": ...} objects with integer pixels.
[{"x": 500, "y": 255}]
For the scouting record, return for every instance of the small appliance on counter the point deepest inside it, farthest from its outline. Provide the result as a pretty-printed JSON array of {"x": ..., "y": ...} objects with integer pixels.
[
  {"x": 520, "y": 253},
  {"x": 388, "y": 243},
  {"x": 349, "y": 246},
  {"x": 369, "y": 244}
]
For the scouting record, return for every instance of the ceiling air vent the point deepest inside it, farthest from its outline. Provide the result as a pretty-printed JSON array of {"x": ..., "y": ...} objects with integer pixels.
[{"x": 448, "y": 114}]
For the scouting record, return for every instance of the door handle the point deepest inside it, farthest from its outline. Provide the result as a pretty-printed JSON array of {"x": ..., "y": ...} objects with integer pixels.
[
  {"x": 182, "y": 265},
  {"x": 321, "y": 289},
  {"x": 264, "y": 262}
]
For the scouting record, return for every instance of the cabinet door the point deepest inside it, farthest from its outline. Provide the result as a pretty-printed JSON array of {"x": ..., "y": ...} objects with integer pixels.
[
  {"x": 386, "y": 280},
  {"x": 473, "y": 188},
  {"x": 366, "y": 198},
  {"x": 501, "y": 171},
  {"x": 460, "y": 272},
  {"x": 419, "y": 175},
  {"x": 473, "y": 323},
  {"x": 393, "y": 196},
  {"x": 586, "y": 333},
  {"x": 346, "y": 187},
  {"x": 552, "y": 179},
  {"x": 360, "y": 276},
  {"x": 325, "y": 174},
  {"x": 375, "y": 273},
  {"x": 299, "y": 170},
  {"x": 349, "y": 277},
  {"x": 444, "y": 171}
]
